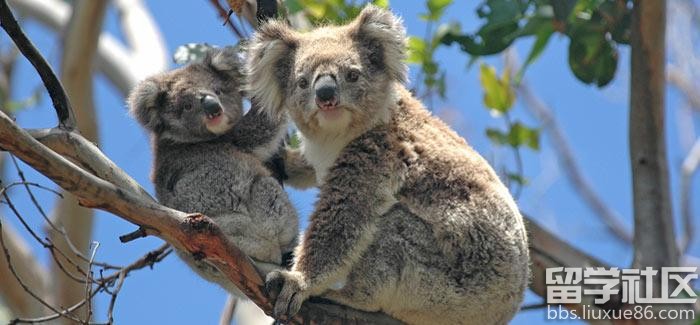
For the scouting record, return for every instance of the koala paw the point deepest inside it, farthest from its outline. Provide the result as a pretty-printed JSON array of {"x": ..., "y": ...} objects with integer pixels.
[{"x": 288, "y": 291}]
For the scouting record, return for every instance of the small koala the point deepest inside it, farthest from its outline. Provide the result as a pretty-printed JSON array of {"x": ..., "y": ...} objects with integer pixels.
[
  {"x": 209, "y": 158},
  {"x": 410, "y": 220}
]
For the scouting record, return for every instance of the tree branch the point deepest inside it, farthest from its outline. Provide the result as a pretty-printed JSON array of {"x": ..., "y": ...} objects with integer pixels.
[
  {"x": 89, "y": 157},
  {"x": 66, "y": 119},
  {"x": 570, "y": 165},
  {"x": 194, "y": 233},
  {"x": 654, "y": 239}
]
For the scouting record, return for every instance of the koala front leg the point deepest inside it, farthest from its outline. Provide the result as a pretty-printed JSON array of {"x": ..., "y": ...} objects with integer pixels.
[
  {"x": 300, "y": 174},
  {"x": 359, "y": 188},
  {"x": 258, "y": 133}
]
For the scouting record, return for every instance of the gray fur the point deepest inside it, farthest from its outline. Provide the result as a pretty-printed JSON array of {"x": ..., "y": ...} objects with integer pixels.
[
  {"x": 216, "y": 168},
  {"x": 410, "y": 220}
]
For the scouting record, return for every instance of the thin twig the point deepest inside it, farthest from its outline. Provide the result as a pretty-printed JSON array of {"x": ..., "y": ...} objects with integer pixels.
[
  {"x": 8, "y": 258},
  {"x": 61, "y": 230},
  {"x": 136, "y": 234},
  {"x": 570, "y": 165},
  {"x": 66, "y": 119},
  {"x": 225, "y": 15},
  {"x": 149, "y": 260}
]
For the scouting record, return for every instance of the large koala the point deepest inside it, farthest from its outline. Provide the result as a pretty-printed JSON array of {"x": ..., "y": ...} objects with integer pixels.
[
  {"x": 209, "y": 158},
  {"x": 410, "y": 220}
]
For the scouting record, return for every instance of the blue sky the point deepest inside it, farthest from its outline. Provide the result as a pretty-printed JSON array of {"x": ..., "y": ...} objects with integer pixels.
[{"x": 594, "y": 120}]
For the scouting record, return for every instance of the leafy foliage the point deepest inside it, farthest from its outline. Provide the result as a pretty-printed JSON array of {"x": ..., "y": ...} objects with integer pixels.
[
  {"x": 595, "y": 29},
  {"x": 330, "y": 11}
]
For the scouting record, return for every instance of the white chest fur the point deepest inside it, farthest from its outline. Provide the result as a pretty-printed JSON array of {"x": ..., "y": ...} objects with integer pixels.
[{"x": 322, "y": 153}]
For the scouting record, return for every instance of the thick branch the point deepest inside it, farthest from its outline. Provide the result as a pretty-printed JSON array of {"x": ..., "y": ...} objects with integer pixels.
[
  {"x": 66, "y": 119},
  {"x": 548, "y": 251},
  {"x": 89, "y": 157},
  {"x": 190, "y": 232},
  {"x": 654, "y": 239}
]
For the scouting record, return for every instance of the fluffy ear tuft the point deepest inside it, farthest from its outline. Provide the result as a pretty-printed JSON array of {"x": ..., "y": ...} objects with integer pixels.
[
  {"x": 227, "y": 60},
  {"x": 144, "y": 101},
  {"x": 384, "y": 35},
  {"x": 269, "y": 64}
]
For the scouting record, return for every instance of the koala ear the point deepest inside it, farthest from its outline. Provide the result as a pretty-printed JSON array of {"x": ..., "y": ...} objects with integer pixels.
[
  {"x": 384, "y": 37},
  {"x": 144, "y": 102},
  {"x": 227, "y": 60},
  {"x": 269, "y": 64}
]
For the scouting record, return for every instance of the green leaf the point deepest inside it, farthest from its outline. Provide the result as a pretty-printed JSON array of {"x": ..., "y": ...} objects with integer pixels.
[
  {"x": 498, "y": 94},
  {"x": 521, "y": 135},
  {"x": 435, "y": 9},
  {"x": 541, "y": 40},
  {"x": 592, "y": 58},
  {"x": 499, "y": 13},
  {"x": 497, "y": 137},
  {"x": 381, "y": 3},
  {"x": 517, "y": 178},
  {"x": 417, "y": 50}
]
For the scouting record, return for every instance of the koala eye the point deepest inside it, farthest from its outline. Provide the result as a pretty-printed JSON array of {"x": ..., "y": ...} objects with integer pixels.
[
  {"x": 303, "y": 83},
  {"x": 352, "y": 75}
]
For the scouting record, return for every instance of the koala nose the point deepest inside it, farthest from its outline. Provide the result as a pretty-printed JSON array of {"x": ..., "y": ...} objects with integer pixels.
[
  {"x": 211, "y": 106},
  {"x": 326, "y": 91}
]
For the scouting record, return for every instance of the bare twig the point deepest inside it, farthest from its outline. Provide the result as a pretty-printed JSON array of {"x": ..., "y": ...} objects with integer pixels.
[
  {"x": 570, "y": 164},
  {"x": 136, "y": 234},
  {"x": 66, "y": 119},
  {"x": 104, "y": 283},
  {"x": 13, "y": 294},
  {"x": 568, "y": 161},
  {"x": 226, "y": 16},
  {"x": 20, "y": 281}
]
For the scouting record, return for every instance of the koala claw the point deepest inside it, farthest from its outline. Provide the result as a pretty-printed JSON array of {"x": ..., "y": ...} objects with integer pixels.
[{"x": 286, "y": 288}]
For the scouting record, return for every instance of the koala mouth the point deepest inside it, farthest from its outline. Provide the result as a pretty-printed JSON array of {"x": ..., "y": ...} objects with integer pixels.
[
  {"x": 213, "y": 116},
  {"x": 327, "y": 105}
]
